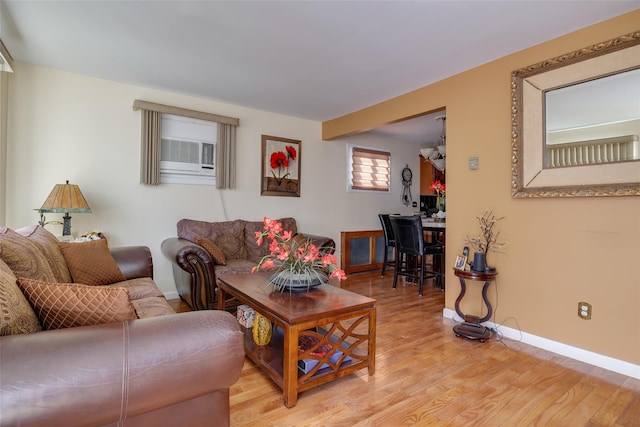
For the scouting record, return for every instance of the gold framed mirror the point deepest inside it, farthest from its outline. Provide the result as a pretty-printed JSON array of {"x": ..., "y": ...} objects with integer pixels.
[{"x": 576, "y": 123}]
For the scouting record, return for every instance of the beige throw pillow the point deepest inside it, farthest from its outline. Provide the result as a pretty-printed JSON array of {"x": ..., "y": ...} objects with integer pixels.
[
  {"x": 65, "y": 305},
  {"x": 91, "y": 263},
  {"x": 24, "y": 257},
  {"x": 49, "y": 245},
  {"x": 300, "y": 240},
  {"x": 213, "y": 249},
  {"x": 16, "y": 315}
]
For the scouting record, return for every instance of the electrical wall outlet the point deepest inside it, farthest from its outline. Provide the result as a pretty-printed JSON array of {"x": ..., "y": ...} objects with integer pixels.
[{"x": 584, "y": 310}]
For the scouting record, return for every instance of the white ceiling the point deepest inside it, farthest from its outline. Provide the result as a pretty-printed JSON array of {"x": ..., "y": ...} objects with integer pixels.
[{"x": 311, "y": 59}]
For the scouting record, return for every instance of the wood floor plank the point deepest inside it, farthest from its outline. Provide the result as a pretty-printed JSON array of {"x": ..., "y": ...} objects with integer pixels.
[
  {"x": 630, "y": 416},
  {"x": 614, "y": 408},
  {"x": 559, "y": 410},
  {"x": 427, "y": 376},
  {"x": 598, "y": 393}
]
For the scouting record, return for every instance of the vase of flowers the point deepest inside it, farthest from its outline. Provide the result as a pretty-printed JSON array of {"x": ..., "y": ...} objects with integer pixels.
[
  {"x": 440, "y": 190},
  {"x": 298, "y": 264},
  {"x": 486, "y": 242}
]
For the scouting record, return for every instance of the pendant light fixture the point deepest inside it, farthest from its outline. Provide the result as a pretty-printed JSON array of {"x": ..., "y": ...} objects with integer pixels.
[{"x": 436, "y": 156}]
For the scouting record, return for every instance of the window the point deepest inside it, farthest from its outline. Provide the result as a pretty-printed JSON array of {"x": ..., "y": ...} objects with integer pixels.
[
  {"x": 217, "y": 142},
  {"x": 187, "y": 153},
  {"x": 369, "y": 169}
]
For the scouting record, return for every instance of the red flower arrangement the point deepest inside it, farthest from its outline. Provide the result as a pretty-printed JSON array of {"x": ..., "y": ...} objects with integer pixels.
[
  {"x": 291, "y": 256},
  {"x": 439, "y": 188}
]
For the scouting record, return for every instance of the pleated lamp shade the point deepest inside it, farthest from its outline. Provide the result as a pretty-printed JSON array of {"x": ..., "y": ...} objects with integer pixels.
[{"x": 65, "y": 198}]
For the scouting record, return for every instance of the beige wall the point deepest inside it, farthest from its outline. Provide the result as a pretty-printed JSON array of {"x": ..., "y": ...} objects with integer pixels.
[
  {"x": 67, "y": 126},
  {"x": 4, "y": 89},
  {"x": 561, "y": 251}
]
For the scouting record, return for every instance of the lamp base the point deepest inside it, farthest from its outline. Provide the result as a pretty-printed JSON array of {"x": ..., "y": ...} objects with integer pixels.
[{"x": 66, "y": 225}]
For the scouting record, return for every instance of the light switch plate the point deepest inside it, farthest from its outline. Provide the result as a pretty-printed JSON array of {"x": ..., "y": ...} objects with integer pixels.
[{"x": 474, "y": 163}]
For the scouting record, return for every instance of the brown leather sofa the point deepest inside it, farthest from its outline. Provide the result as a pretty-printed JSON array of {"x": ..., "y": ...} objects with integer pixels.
[
  {"x": 195, "y": 271},
  {"x": 162, "y": 371},
  {"x": 166, "y": 370}
]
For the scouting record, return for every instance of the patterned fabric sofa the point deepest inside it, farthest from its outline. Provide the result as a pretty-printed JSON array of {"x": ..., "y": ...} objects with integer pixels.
[
  {"x": 204, "y": 251},
  {"x": 109, "y": 350}
]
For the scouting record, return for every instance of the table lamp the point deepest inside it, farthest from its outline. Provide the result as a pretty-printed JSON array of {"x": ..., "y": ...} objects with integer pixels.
[{"x": 64, "y": 198}]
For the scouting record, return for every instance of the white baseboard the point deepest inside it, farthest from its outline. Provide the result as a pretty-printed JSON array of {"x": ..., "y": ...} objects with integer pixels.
[
  {"x": 605, "y": 362},
  {"x": 171, "y": 295}
]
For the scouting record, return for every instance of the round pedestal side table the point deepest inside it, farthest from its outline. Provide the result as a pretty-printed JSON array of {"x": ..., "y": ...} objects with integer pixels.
[{"x": 472, "y": 327}]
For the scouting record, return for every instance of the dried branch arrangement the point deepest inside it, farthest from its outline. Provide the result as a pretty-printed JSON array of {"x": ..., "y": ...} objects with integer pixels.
[{"x": 488, "y": 240}]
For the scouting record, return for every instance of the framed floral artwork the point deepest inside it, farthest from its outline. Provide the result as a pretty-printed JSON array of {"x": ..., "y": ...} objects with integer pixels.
[{"x": 280, "y": 166}]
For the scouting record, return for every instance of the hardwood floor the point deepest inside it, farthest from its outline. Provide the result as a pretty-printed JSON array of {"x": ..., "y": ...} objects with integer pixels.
[{"x": 426, "y": 376}]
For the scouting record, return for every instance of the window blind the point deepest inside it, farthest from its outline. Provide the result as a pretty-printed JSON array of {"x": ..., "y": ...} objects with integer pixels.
[{"x": 369, "y": 169}]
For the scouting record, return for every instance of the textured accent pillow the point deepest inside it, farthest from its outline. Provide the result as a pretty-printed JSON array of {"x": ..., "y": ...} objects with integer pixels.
[
  {"x": 227, "y": 235},
  {"x": 65, "y": 305},
  {"x": 216, "y": 253},
  {"x": 255, "y": 252},
  {"x": 50, "y": 249},
  {"x": 300, "y": 240},
  {"x": 16, "y": 315},
  {"x": 24, "y": 257},
  {"x": 91, "y": 263}
]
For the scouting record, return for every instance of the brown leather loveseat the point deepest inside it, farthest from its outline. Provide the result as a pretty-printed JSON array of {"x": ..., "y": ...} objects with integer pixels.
[
  {"x": 165, "y": 369},
  {"x": 204, "y": 251}
]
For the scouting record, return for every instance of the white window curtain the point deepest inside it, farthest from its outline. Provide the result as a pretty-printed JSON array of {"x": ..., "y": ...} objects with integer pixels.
[
  {"x": 150, "y": 142},
  {"x": 369, "y": 169}
]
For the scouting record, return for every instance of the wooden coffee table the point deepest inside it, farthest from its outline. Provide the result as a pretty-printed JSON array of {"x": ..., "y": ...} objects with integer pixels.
[{"x": 343, "y": 320}]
